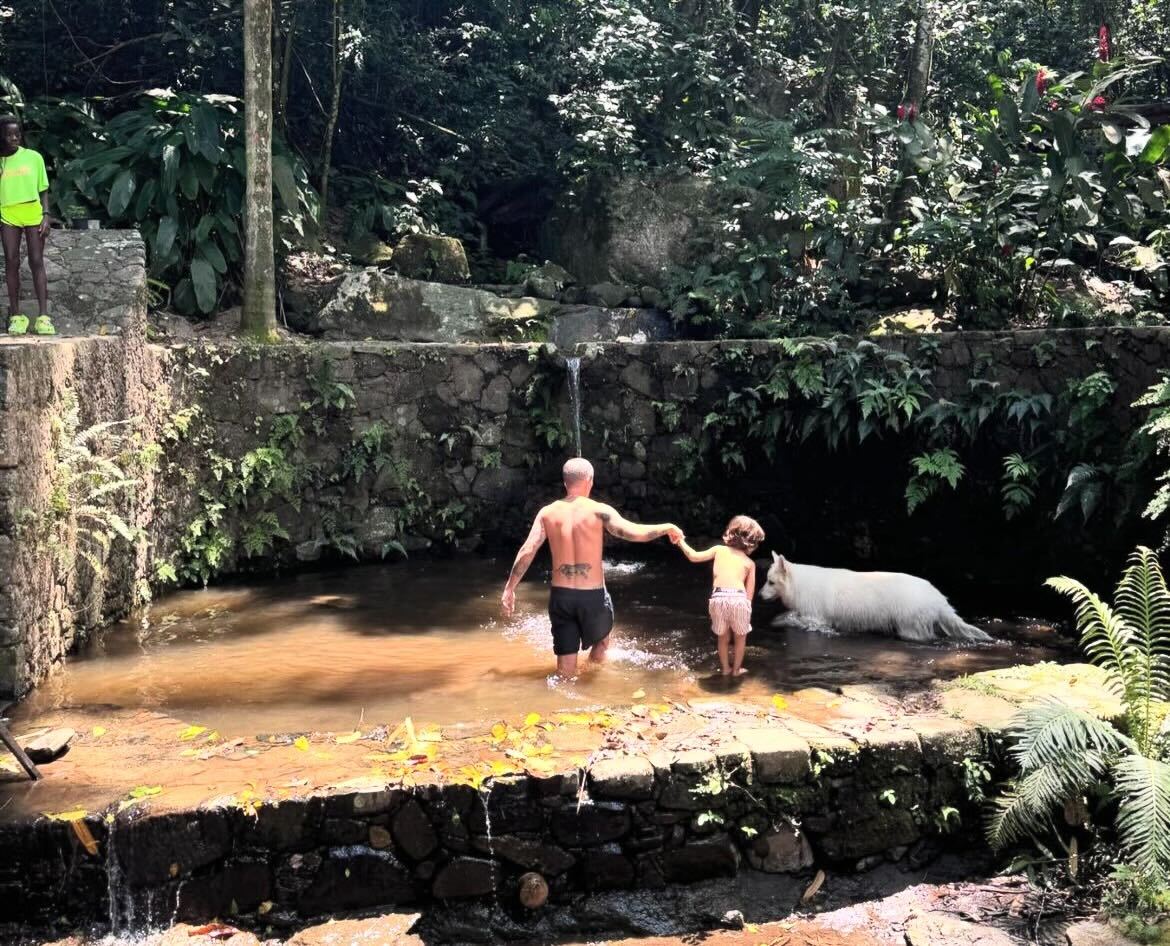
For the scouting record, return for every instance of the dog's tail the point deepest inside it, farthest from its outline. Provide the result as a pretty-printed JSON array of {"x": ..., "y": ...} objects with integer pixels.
[{"x": 957, "y": 629}]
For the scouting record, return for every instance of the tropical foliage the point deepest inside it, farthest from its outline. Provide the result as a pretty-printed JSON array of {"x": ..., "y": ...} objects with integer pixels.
[
  {"x": 1065, "y": 754},
  {"x": 996, "y": 162}
]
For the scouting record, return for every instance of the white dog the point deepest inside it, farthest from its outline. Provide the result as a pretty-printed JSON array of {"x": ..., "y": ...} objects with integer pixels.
[{"x": 860, "y": 601}]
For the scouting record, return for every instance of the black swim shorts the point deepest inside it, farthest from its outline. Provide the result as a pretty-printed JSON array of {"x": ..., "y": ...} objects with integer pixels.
[{"x": 581, "y": 617}]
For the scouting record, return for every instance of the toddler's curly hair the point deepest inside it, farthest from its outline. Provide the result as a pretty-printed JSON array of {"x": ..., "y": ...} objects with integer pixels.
[{"x": 743, "y": 533}]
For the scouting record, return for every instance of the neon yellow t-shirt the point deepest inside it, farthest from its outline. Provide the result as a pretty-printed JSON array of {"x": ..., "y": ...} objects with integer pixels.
[{"x": 22, "y": 177}]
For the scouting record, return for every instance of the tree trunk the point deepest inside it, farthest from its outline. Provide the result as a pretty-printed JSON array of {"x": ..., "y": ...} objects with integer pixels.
[
  {"x": 258, "y": 319},
  {"x": 334, "y": 108}
]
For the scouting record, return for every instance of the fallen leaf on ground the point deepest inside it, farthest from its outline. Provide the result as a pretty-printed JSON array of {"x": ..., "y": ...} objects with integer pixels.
[
  {"x": 639, "y": 695},
  {"x": 811, "y": 890},
  {"x": 301, "y": 743},
  {"x": 348, "y": 738},
  {"x": 779, "y": 702},
  {"x": 146, "y": 791},
  {"x": 532, "y": 719},
  {"x": 99, "y": 731},
  {"x": 191, "y": 732}
]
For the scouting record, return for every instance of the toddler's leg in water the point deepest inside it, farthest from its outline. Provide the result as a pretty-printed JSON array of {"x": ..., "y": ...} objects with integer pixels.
[
  {"x": 737, "y": 663},
  {"x": 723, "y": 651}
]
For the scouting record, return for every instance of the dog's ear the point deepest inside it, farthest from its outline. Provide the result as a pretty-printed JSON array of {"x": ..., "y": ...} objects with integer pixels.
[
  {"x": 780, "y": 563},
  {"x": 775, "y": 559}
]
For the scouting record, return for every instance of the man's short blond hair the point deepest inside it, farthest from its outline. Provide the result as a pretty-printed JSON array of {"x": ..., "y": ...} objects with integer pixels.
[{"x": 577, "y": 470}]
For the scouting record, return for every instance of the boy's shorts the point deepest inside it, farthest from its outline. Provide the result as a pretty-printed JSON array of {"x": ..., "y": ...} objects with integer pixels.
[
  {"x": 28, "y": 214},
  {"x": 730, "y": 610},
  {"x": 581, "y": 617}
]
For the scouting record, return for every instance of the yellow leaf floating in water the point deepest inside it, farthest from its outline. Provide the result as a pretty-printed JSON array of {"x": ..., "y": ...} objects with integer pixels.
[
  {"x": 146, "y": 791},
  {"x": 532, "y": 719},
  {"x": 99, "y": 731},
  {"x": 301, "y": 743},
  {"x": 639, "y": 695},
  {"x": 191, "y": 732},
  {"x": 430, "y": 734},
  {"x": 779, "y": 702},
  {"x": 348, "y": 738},
  {"x": 499, "y": 731}
]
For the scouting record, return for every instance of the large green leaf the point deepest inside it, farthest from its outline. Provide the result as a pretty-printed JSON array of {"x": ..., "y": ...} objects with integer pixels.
[
  {"x": 204, "y": 282},
  {"x": 1155, "y": 148},
  {"x": 207, "y": 250},
  {"x": 170, "y": 164},
  {"x": 207, "y": 131},
  {"x": 168, "y": 228},
  {"x": 286, "y": 184},
  {"x": 120, "y": 193}
]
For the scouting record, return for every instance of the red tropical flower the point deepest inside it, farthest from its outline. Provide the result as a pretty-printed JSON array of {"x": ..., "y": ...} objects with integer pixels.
[
  {"x": 1103, "y": 43},
  {"x": 1098, "y": 104},
  {"x": 1041, "y": 82},
  {"x": 901, "y": 111}
]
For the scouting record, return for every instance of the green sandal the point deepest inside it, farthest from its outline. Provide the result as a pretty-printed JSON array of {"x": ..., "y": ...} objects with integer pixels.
[
  {"x": 18, "y": 325},
  {"x": 42, "y": 326}
]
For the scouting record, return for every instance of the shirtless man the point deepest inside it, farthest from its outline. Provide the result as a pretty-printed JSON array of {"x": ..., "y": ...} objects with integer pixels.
[{"x": 578, "y": 604}]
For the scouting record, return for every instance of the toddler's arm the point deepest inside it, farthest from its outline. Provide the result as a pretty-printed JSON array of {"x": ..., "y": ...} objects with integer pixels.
[
  {"x": 694, "y": 556},
  {"x": 750, "y": 581}
]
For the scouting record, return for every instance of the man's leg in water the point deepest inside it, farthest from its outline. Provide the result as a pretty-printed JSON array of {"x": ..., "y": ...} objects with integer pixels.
[
  {"x": 567, "y": 665},
  {"x": 597, "y": 651}
]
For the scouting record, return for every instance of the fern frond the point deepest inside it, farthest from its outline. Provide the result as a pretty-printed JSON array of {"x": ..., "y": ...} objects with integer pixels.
[
  {"x": 1143, "y": 819},
  {"x": 1025, "y": 809},
  {"x": 1052, "y": 733},
  {"x": 1104, "y": 635},
  {"x": 1143, "y": 602}
]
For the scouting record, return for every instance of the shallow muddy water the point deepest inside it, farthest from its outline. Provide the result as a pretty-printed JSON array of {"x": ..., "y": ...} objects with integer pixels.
[{"x": 331, "y": 650}]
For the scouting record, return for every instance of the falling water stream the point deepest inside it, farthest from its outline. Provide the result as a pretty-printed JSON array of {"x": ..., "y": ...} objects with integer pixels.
[{"x": 574, "y": 367}]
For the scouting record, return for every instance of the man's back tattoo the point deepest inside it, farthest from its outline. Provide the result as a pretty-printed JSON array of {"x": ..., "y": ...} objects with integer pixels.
[{"x": 571, "y": 569}]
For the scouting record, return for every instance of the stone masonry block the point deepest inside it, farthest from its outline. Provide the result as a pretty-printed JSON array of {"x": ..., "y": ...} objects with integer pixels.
[
  {"x": 777, "y": 754},
  {"x": 629, "y": 777}
]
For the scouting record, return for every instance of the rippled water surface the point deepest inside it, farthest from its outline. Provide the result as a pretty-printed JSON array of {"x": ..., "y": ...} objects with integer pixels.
[{"x": 326, "y": 651}]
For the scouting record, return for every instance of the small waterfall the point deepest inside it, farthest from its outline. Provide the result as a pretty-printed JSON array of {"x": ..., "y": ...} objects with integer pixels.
[
  {"x": 574, "y": 367},
  {"x": 113, "y": 877}
]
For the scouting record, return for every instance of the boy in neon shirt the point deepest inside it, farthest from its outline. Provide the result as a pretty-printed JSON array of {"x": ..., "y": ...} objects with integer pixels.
[{"x": 24, "y": 209}]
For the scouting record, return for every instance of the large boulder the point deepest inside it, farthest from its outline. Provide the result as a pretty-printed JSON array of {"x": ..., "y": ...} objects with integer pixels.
[
  {"x": 635, "y": 231},
  {"x": 436, "y": 258},
  {"x": 547, "y": 281},
  {"x": 371, "y": 303},
  {"x": 574, "y": 324}
]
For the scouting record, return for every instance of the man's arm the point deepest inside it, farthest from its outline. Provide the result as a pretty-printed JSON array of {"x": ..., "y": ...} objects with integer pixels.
[
  {"x": 618, "y": 525},
  {"x": 524, "y": 558}
]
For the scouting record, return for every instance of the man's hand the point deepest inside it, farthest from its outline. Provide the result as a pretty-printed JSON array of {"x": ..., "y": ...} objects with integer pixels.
[
  {"x": 508, "y": 601},
  {"x": 674, "y": 533},
  {"x": 44, "y": 226}
]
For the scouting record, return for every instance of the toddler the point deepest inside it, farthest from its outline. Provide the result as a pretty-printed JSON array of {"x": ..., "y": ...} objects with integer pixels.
[{"x": 734, "y": 584}]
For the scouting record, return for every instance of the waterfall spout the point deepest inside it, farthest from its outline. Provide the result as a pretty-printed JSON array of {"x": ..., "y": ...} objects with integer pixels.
[{"x": 574, "y": 367}]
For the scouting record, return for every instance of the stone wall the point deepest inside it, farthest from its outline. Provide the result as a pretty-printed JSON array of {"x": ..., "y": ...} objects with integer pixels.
[
  {"x": 276, "y": 457},
  {"x": 769, "y": 798},
  {"x": 97, "y": 281}
]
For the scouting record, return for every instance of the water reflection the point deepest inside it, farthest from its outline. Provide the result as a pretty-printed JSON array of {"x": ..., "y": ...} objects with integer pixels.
[{"x": 327, "y": 650}]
